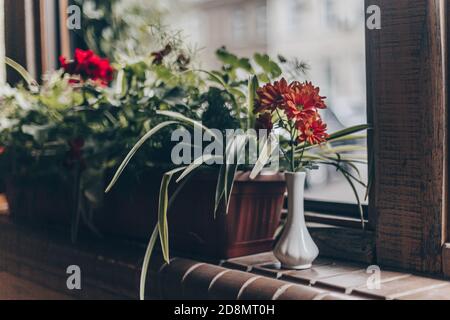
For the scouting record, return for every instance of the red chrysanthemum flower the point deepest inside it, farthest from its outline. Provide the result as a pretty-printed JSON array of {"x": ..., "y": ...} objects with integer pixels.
[
  {"x": 271, "y": 96},
  {"x": 312, "y": 131},
  {"x": 303, "y": 100},
  {"x": 300, "y": 102}
]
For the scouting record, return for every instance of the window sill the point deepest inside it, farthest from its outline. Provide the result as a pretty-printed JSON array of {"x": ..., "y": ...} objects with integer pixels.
[{"x": 350, "y": 244}]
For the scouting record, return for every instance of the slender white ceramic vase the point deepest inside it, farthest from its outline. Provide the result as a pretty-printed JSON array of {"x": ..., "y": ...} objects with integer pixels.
[{"x": 296, "y": 249}]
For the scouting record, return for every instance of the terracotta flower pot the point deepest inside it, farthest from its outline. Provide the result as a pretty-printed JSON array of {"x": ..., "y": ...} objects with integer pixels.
[{"x": 248, "y": 228}]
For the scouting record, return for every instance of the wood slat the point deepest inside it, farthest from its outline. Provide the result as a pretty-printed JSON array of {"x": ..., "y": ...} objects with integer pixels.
[
  {"x": 13, "y": 288},
  {"x": 407, "y": 107}
]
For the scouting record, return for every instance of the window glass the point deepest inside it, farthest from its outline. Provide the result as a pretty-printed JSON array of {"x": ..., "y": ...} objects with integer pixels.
[{"x": 327, "y": 34}]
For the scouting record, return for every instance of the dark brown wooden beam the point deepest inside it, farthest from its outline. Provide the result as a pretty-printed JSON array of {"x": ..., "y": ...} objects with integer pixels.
[
  {"x": 15, "y": 38},
  {"x": 408, "y": 111}
]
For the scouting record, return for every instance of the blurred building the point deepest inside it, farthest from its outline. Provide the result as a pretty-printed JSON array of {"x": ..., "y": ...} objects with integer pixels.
[{"x": 327, "y": 34}]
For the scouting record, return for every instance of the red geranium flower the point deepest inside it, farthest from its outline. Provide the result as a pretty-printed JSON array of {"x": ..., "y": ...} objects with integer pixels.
[{"x": 88, "y": 65}]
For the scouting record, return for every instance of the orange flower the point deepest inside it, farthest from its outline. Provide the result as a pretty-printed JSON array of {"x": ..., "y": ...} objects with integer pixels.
[
  {"x": 300, "y": 101},
  {"x": 303, "y": 100},
  {"x": 271, "y": 96},
  {"x": 313, "y": 131}
]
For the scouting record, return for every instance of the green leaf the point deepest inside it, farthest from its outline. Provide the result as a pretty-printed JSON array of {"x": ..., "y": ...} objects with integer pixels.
[
  {"x": 193, "y": 123},
  {"x": 361, "y": 212},
  {"x": 348, "y": 131},
  {"x": 214, "y": 78},
  {"x": 220, "y": 188},
  {"x": 196, "y": 164},
  {"x": 22, "y": 71},
  {"x": 152, "y": 242},
  {"x": 148, "y": 254},
  {"x": 163, "y": 225},
  {"x": 228, "y": 171},
  {"x": 342, "y": 135},
  {"x": 252, "y": 87},
  {"x": 269, "y": 66},
  {"x": 266, "y": 153},
  {"x": 136, "y": 147},
  {"x": 233, "y": 61}
]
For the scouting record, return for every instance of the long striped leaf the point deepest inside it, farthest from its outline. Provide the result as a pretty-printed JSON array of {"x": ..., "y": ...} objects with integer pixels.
[
  {"x": 264, "y": 157},
  {"x": 22, "y": 71},
  {"x": 136, "y": 147},
  {"x": 163, "y": 225},
  {"x": 152, "y": 243},
  {"x": 196, "y": 164},
  {"x": 193, "y": 123},
  {"x": 148, "y": 254},
  {"x": 252, "y": 87}
]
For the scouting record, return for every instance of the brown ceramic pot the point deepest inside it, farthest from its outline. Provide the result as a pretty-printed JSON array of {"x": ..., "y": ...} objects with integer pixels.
[{"x": 130, "y": 211}]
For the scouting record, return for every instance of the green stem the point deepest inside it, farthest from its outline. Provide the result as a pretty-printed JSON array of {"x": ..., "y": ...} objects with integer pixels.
[{"x": 293, "y": 156}]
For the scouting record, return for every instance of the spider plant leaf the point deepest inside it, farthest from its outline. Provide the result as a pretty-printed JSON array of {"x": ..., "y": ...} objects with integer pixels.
[
  {"x": 348, "y": 131},
  {"x": 220, "y": 188},
  {"x": 22, "y": 72},
  {"x": 340, "y": 168},
  {"x": 252, "y": 87},
  {"x": 342, "y": 135},
  {"x": 343, "y": 149},
  {"x": 234, "y": 154},
  {"x": 163, "y": 225},
  {"x": 136, "y": 147},
  {"x": 152, "y": 242},
  {"x": 214, "y": 78},
  {"x": 145, "y": 264},
  {"x": 179, "y": 117},
  {"x": 230, "y": 184},
  {"x": 266, "y": 153},
  {"x": 352, "y": 185},
  {"x": 196, "y": 164},
  {"x": 351, "y": 137},
  {"x": 371, "y": 175}
]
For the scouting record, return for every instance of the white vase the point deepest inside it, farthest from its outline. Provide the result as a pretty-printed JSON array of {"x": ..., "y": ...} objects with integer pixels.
[{"x": 296, "y": 249}]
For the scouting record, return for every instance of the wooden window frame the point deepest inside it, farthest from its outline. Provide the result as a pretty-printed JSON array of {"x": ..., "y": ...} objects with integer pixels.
[
  {"x": 36, "y": 34},
  {"x": 408, "y": 110}
]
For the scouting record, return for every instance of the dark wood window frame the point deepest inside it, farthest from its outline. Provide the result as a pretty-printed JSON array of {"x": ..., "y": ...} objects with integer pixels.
[
  {"x": 35, "y": 29},
  {"x": 407, "y": 97}
]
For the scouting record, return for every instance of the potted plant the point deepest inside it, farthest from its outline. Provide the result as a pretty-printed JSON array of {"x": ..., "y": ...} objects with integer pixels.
[
  {"x": 277, "y": 109},
  {"x": 63, "y": 139}
]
